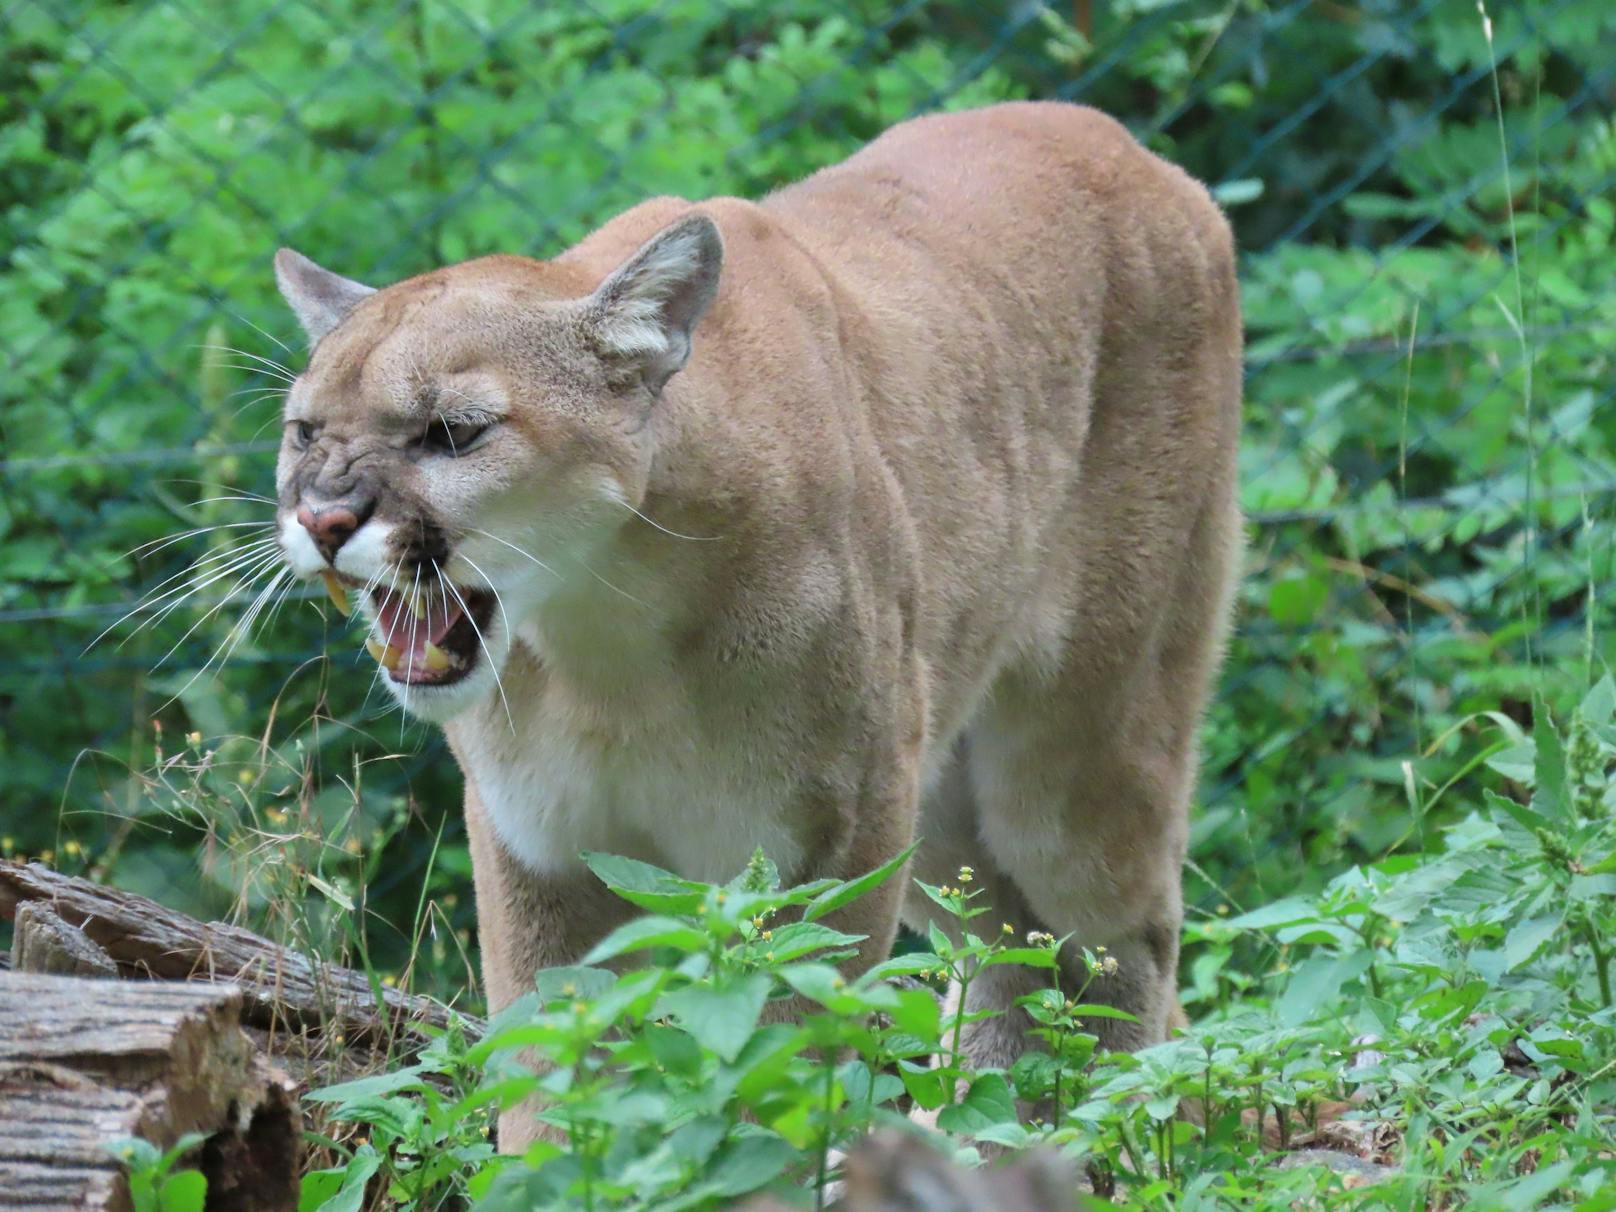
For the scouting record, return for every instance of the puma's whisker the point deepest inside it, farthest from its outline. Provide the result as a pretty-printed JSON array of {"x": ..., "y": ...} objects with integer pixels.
[
  {"x": 237, "y": 557},
  {"x": 481, "y": 643}
]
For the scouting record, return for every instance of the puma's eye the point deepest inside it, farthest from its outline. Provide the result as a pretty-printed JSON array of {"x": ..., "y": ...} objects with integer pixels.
[
  {"x": 455, "y": 435},
  {"x": 302, "y": 434}
]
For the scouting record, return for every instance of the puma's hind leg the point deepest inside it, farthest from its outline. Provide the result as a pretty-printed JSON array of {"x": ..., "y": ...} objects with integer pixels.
[{"x": 1079, "y": 774}]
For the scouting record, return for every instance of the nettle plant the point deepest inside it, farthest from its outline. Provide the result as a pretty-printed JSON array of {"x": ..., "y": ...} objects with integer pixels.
[
  {"x": 730, "y": 1057},
  {"x": 1449, "y": 1009}
]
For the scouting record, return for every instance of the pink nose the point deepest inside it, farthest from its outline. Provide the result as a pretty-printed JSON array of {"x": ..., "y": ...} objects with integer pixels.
[{"x": 330, "y": 527}]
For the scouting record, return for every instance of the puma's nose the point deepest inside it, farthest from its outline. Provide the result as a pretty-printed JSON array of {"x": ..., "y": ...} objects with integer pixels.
[{"x": 332, "y": 524}]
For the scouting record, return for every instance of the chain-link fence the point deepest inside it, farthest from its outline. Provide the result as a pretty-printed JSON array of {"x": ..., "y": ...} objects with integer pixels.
[{"x": 1422, "y": 196}]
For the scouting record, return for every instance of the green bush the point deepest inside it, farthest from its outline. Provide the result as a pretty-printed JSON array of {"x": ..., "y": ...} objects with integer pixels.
[{"x": 1452, "y": 1005}]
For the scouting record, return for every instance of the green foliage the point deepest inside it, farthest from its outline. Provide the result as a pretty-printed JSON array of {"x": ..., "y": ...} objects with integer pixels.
[
  {"x": 155, "y": 1184},
  {"x": 1452, "y": 1004},
  {"x": 1429, "y": 455}
]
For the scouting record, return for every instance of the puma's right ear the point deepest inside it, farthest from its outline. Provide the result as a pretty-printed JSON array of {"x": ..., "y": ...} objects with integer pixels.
[
  {"x": 318, "y": 298},
  {"x": 645, "y": 312}
]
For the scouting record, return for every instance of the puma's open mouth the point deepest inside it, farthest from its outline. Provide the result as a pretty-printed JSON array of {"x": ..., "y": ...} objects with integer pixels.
[{"x": 429, "y": 636}]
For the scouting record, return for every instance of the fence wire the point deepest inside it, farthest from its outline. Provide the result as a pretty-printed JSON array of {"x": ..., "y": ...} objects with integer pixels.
[{"x": 1422, "y": 197}]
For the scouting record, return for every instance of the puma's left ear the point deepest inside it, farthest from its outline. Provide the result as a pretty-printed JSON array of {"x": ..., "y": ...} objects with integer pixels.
[
  {"x": 645, "y": 312},
  {"x": 319, "y": 298}
]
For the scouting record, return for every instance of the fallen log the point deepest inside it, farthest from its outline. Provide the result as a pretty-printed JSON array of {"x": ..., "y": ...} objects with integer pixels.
[
  {"x": 281, "y": 990},
  {"x": 86, "y": 1062}
]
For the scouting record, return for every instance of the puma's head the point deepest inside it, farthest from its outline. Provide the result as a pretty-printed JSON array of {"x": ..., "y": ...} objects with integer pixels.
[{"x": 460, "y": 440}]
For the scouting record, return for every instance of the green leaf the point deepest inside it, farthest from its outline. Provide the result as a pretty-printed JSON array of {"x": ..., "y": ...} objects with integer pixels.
[
  {"x": 720, "y": 1018},
  {"x": 186, "y": 1191},
  {"x": 134, "y": 1153},
  {"x": 1027, "y": 957},
  {"x": 646, "y": 886},
  {"x": 569, "y": 983},
  {"x": 911, "y": 963},
  {"x": 1033, "y": 1074},
  {"x": 1094, "y": 1010},
  {"x": 339, "y": 1190},
  {"x": 675, "y": 1050},
  {"x": 1280, "y": 913},
  {"x": 1549, "y": 795},
  {"x": 916, "y": 1013},
  {"x": 1317, "y": 982},
  {"x": 1162, "y": 1108},
  {"x": 1527, "y": 938},
  {"x": 799, "y": 938},
  {"x": 1599, "y": 704},
  {"x": 1522, "y": 815},
  {"x": 825, "y": 985},
  {"x": 742, "y": 1166},
  {"x": 987, "y": 1103},
  {"x": 927, "y": 1086},
  {"x": 1296, "y": 600},
  {"x": 407, "y": 1078},
  {"x": 834, "y": 898},
  {"x": 1531, "y": 1191},
  {"x": 643, "y": 933}
]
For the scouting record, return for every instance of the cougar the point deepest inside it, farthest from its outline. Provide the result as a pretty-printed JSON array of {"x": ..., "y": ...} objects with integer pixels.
[{"x": 898, "y": 505}]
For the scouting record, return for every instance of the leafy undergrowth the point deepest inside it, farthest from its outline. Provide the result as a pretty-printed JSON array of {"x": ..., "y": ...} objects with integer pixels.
[{"x": 1434, "y": 1030}]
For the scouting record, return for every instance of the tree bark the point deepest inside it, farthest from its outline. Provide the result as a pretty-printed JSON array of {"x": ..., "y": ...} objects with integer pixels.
[
  {"x": 282, "y": 991},
  {"x": 85, "y": 1062}
]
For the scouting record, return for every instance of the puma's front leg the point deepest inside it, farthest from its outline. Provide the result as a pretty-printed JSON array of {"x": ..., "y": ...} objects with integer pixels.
[{"x": 527, "y": 921}]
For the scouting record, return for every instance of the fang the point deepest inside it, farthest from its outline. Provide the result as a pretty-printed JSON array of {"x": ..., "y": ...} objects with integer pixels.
[
  {"x": 387, "y": 657},
  {"x": 338, "y": 594}
]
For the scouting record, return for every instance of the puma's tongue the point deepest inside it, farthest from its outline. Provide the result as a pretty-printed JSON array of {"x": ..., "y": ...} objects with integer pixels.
[{"x": 408, "y": 629}]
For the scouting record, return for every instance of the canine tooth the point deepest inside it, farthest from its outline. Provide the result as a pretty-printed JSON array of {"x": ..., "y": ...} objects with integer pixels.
[
  {"x": 386, "y": 656},
  {"x": 437, "y": 660},
  {"x": 338, "y": 594}
]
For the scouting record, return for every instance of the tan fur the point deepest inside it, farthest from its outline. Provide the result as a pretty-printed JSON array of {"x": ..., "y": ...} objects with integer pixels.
[{"x": 950, "y": 473}]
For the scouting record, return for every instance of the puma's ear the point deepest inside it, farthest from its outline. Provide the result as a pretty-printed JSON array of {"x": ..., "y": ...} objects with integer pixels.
[
  {"x": 644, "y": 313},
  {"x": 318, "y": 297}
]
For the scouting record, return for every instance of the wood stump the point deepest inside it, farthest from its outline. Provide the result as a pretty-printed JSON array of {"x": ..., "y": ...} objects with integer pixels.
[{"x": 85, "y": 1062}]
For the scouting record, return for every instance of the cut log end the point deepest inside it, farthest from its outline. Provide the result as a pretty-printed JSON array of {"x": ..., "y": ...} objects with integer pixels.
[{"x": 84, "y": 1063}]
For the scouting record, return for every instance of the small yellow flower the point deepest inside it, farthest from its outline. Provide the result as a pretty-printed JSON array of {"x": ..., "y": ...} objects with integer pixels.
[
  {"x": 1223, "y": 911},
  {"x": 767, "y": 935},
  {"x": 1008, "y": 928},
  {"x": 579, "y": 1007},
  {"x": 720, "y": 898},
  {"x": 247, "y": 778},
  {"x": 569, "y": 990},
  {"x": 965, "y": 875},
  {"x": 193, "y": 738},
  {"x": 390, "y": 981},
  {"x": 757, "y": 921},
  {"x": 1100, "y": 950},
  {"x": 71, "y": 848},
  {"x": 351, "y": 845},
  {"x": 1109, "y": 965},
  {"x": 7, "y": 844},
  {"x": 769, "y": 956},
  {"x": 838, "y": 983},
  {"x": 47, "y": 856}
]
